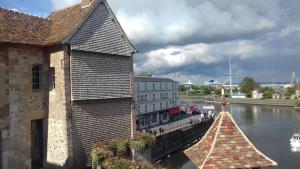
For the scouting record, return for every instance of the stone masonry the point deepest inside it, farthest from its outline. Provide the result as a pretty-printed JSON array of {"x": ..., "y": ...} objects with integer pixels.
[{"x": 23, "y": 104}]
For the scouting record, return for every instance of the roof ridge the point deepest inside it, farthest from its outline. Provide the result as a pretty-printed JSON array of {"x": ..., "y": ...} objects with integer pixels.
[
  {"x": 214, "y": 141},
  {"x": 23, "y": 13},
  {"x": 64, "y": 8},
  {"x": 251, "y": 144}
]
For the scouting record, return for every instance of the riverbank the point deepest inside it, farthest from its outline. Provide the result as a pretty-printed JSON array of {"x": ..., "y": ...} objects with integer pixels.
[{"x": 271, "y": 102}]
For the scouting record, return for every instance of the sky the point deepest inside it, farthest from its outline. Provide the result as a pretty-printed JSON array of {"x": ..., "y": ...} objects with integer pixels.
[{"x": 193, "y": 39}]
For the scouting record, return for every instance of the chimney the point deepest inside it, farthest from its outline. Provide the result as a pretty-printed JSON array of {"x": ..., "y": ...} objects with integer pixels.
[{"x": 86, "y": 3}]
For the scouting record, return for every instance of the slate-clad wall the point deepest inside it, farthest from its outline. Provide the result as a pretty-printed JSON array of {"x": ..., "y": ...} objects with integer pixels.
[
  {"x": 99, "y": 76},
  {"x": 100, "y": 33},
  {"x": 91, "y": 119}
]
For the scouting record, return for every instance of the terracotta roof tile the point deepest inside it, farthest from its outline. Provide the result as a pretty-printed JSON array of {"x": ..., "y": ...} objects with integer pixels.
[
  {"x": 16, "y": 27},
  {"x": 225, "y": 146},
  {"x": 63, "y": 22}
]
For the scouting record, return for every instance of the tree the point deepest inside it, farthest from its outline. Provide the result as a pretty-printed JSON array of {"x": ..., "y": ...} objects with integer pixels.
[
  {"x": 181, "y": 87},
  {"x": 247, "y": 85},
  {"x": 268, "y": 92},
  {"x": 289, "y": 92}
]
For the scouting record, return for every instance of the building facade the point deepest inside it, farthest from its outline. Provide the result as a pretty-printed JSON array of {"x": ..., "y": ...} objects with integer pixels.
[
  {"x": 297, "y": 91},
  {"x": 66, "y": 80},
  {"x": 156, "y": 99}
]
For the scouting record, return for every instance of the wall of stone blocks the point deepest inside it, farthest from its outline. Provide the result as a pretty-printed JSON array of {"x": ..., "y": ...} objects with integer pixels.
[
  {"x": 23, "y": 104},
  {"x": 59, "y": 154}
]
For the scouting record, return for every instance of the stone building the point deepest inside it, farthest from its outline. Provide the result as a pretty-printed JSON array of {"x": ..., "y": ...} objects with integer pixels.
[
  {"x": 66, "y": 80},
  {"x": 156, "y": 98}
]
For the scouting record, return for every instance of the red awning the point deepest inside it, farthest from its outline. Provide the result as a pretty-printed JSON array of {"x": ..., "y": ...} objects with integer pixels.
[{"x": 175, "y": 110}]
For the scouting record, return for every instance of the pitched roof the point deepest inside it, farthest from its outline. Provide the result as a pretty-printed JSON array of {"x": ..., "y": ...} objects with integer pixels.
[
  {"x": 152, "y": 79},
  {"x": 65, "y": 21},
  {"x": 16, "y": 27},
  {"x": 225, "y": 146},
  {"x": 60, "y": 25}
]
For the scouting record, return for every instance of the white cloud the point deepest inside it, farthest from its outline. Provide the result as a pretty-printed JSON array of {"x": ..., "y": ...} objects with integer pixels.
[
  {"x": 58, "y": 4},
  {"x": 202, "y": 53},
  {"x": 169, "y": 21}
]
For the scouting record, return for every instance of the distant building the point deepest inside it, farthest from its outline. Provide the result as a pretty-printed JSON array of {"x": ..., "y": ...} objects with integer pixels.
[
  {"x": 297, "y": 91},
  {"x": 256, "y": 94},
  {"x": 156, "y": 99},
  {"x": 188, "y": 86},
  {"x": 238, "y": 95},
  {"x": 276, "y": 96}
]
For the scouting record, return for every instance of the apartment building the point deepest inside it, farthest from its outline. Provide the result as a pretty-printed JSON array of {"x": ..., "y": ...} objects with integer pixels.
[{"x": 156, "y": 99}]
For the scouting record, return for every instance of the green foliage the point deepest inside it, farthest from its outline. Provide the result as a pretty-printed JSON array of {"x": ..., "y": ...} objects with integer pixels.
[
  {"x": 181, "y": 87},
  {"x": 127, "y": 164},
  {"x": 247, "y": 85},
  {"x": 289, "y": 91},
  {"x": 267, "y": 92},
  {"x": 102, "y": 153},
  {"x": 137, "y": 145},
  {"x": 99, "y": 153},
  {"x": 149, "y": 139}
]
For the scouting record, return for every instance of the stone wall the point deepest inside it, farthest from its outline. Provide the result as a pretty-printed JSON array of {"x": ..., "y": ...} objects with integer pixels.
[
  {"x": 59, "y": 152},
  {"x": 4, "y": 89},
  {"x": 22, "y": 103}
]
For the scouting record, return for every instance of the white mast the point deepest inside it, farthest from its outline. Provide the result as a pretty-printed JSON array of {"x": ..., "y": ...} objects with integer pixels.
[{"x": 230, "y": 78}]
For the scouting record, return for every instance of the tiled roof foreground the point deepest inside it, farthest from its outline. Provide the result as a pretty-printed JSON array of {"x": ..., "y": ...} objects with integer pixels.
[{"x": 225, "y": 146}]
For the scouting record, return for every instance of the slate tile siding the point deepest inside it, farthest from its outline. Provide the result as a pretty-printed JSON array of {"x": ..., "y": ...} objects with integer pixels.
[
  {"x": 91, "y": 119},
  {"x": 100, "y": 33},
  {"x": 99, "y": 76}
]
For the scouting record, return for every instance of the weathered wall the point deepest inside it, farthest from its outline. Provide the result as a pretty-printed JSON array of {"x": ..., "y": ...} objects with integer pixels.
[
  {"x": 104, "y": 119},
  {"x": 4, "y": 89},
  {"x": 59, "y": 154},
  {"x": 100, "y": 76},
  {"x": 23, "y": 104}
]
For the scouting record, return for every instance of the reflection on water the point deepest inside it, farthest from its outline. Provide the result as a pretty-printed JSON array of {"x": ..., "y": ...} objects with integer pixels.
[{"x": 269, "y": 128}]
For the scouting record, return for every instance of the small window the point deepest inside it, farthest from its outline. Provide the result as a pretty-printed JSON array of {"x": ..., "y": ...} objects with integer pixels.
[
  {"x": 153, "y": 86},
  {"x": 146, "y": 108},
  {"x": 153, "y": 96},
  {"x": 36, "y": 77},
  {"x": 153, "y": 106},
  {"x": 52, "y": 78}
]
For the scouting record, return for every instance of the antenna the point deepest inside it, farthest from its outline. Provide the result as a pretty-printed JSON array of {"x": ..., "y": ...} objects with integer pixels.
[{"x": 230, "y": 74}]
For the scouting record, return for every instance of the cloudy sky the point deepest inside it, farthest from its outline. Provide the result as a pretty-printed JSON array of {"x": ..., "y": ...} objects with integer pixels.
[{"x": 192, "y": 39}]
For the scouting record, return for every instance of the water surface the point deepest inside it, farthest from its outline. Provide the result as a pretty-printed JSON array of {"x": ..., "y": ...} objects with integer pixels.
[{"x": 269, "y": 128}]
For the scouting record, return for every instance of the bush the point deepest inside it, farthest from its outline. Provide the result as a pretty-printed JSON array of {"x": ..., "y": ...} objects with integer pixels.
[
  {"x": 149, "y": 139},
  {"x": 119, "y": 146},
  {"x": 99, "y": 153},
  {"x": 137, "y": 145},
  {"x": 114, "y": 154}
]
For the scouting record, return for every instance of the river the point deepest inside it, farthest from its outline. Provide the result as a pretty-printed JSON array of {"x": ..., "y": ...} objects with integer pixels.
[{"x": 269, "y": 128}]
